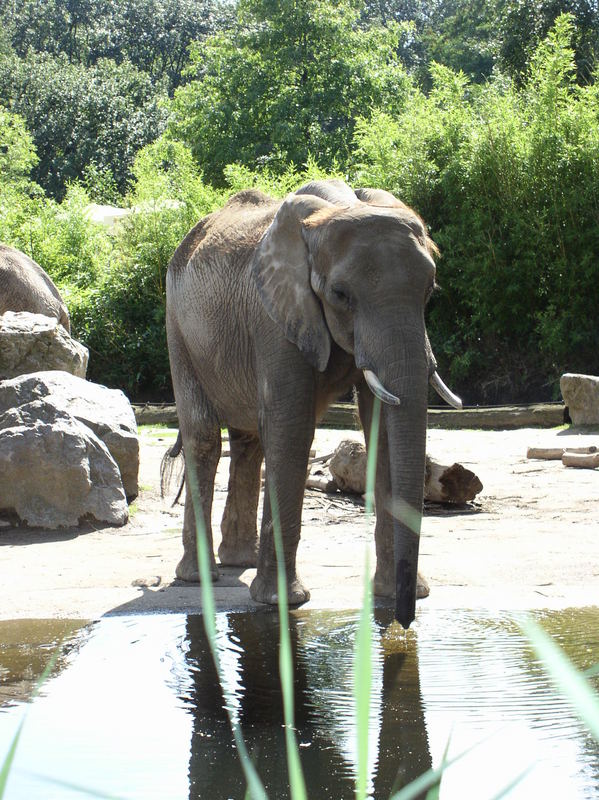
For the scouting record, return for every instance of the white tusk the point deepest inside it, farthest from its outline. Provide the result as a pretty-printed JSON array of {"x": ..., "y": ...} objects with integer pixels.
[
  {"x": 377, "y": 388},
  {"x": 444, "y": 392}
]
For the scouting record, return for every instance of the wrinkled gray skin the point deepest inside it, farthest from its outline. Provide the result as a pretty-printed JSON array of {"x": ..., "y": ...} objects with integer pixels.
[
  {"x": 273, "y": 311},
  {"x": 24, "y": 286}
]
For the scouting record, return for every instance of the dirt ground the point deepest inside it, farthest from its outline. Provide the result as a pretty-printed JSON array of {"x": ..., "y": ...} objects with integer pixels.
[{"x": 530, "y": 540}]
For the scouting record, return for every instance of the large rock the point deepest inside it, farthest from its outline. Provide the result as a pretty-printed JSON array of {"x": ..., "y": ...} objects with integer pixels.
[
  {"x": 107, "y": 412},
  {"x": 54, "y": 471},
  {"x": 581, "y": 395},
  {"x": 33, "y": 342}
]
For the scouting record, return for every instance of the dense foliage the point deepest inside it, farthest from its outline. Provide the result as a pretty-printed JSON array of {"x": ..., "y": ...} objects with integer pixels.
[
  {"x": 287, "y": 82},
  {"x": 151, "y": 34},
  {"x": 483, "y": 116},
  {"x": 508, "y": 181},
  {"x": 79, "y": 117}
]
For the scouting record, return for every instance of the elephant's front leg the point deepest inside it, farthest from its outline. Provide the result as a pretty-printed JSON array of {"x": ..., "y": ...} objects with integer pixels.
[
  {"x": 286, "y": 438},
  {"x": 384, "y": 576}
]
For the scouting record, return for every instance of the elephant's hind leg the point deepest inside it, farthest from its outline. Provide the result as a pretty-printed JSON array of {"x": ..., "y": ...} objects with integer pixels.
[
  {"x": 200, "y": 430},
  {"x": 201, "y": 460},
  {"x": 239, "y": 546}
]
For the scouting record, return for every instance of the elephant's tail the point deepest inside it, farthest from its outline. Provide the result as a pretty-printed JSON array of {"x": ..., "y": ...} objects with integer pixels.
[{"x": 173, "y": 461}]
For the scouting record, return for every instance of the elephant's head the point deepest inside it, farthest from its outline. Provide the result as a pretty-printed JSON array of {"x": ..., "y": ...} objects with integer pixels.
[{"x": 361, "y": 274}]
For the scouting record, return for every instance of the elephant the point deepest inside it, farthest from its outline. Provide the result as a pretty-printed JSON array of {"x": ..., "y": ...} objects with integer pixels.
[
  {"x": 24, "y": 286},
  {"x": 274, "y": 310}
]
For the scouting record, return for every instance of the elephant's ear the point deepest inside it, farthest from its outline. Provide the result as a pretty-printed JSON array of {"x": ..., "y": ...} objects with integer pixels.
[{"x": 281, "y": 269}]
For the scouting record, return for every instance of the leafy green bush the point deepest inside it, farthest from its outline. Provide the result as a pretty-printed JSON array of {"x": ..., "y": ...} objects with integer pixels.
[
  {"x": 506, "y": 176},
  {"x": 508, "y": 182},
  {"x": 122, "y": 318},
  {"x": 17, "y": 159},
  {"x": 275, "y": 184}
]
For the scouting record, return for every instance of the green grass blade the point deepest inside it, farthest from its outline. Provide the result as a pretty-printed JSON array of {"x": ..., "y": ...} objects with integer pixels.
[
  {"x": 512, "y": 784},
  {"x": 76, "y": 787},
  {"x": 373, "y": 441},
  {"x": 432, "y": 777},
  {"x": 253, "y": 781},
  {"x": 434, "y": 791},
  {"x": 10, "y": 756},
  {"x": 363, "y": 682},
  {"x": 297, "y": 783},
  {"x": 422, "y": 783},
  {"x": 573, "y": 685}
]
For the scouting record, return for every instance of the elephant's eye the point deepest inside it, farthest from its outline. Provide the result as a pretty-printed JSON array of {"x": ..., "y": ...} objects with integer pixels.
[{"x": 340, "y": 297}]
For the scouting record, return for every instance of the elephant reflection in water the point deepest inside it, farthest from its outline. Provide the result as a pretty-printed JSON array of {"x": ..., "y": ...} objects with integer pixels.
[{"x": 324, "y": 722}]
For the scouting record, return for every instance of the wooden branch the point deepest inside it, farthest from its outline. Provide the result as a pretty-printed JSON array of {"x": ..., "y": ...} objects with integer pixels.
[
  {"x": 556, "y": 453},
  {"x": 584, "y": 460},
  {"x": 323, "y": 484},
  {"x": 320, "y": 459}
]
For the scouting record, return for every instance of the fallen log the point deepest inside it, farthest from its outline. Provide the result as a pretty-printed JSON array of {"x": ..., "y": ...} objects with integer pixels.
[
  {"x": 581, "y": 460},
  {"x": 556, "y": 453},
  {"x": 443, "y": 484},
  {"x": 322, "y": 484},
  {"x": 454, "y": 484}
]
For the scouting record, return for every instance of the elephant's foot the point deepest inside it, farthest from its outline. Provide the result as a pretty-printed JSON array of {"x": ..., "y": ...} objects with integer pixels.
[
  {"x": 242, "y": 554},
  {"x": 385, "y": 587},
  {"x": 187, "y": 569},
  {"x": 264, "y": 590}
]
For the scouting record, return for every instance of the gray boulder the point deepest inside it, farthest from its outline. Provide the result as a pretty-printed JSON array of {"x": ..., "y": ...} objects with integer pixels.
[
  {"x": 107, "y": 412},
  {"x": 54, "y": 471},
  {"x": 581, "y": 395},
  {"x": 33, "y": 342}
]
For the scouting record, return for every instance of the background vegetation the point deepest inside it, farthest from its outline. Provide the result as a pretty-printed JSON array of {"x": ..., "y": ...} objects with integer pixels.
[{"x": 483, "y": 116}]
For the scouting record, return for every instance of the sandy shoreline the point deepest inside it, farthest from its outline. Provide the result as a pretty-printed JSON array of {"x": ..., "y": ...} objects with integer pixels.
[{"x": 531, "y": 540}]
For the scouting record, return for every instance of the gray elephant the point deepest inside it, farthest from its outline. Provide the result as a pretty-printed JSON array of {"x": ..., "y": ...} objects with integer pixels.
[
  {"x": 274, "y": 310},
  {"x": 24, "y": 286}
]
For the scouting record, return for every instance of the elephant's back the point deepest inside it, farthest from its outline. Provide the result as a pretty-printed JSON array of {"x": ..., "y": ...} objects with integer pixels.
[
  {"x": 213, "y": 310},
  {"x": 24, "y": 286},
  {"x": 224, "y": 239}
]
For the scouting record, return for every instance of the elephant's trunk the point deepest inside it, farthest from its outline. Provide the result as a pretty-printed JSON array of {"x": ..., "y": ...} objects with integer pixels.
[
  {"x": 406, "y": 431},
  {"x": 407, "y": 378},
  {"x": 402, "y": 364}
]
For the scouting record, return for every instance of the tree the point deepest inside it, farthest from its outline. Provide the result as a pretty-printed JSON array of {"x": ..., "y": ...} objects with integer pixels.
[
  {"x": 102, "y": 115},
  {"x": 154, "y": 35},
  {"x": 17, "y": 151},
  {"x": 457, "y": 33},
  {"x": 507, "y": 177},
  {"x": 523, "y": 26},
  {"x": 288, "y": 82},
  {"x": 17, "y": 159}
]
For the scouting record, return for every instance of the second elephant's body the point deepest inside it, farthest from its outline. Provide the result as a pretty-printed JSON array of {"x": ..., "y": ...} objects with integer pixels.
[{"x": 24, "y": 286}]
